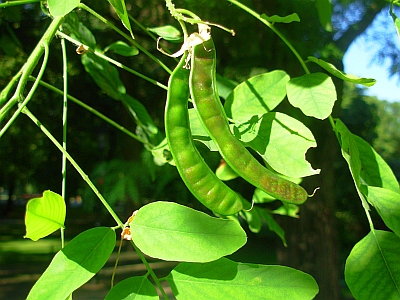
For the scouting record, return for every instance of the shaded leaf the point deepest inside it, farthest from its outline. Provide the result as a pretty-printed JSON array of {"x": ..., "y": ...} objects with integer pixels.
[
  {"x": 372, "y": 269},
  {"x": 374, "y": 170},
  {"x": 340, "y": 74},
  {"x": 387, "y": 203},
  {"x": 170, "y": 231},
  {"x": 225, "y": 172},
  {"x": 44, "y": 215},
  {"x": 79, "y": 31},
  {"x": 225, "y": 279},
  {"x": 198, "y": 131},
  {"x": 104, "y": 74},
  {"x": 351, "y": 154},
  {"x": 75, "y": 264},
  {"x": 324, "y": 8},
  {"x": 277, "y": 19},
  {"x": 272, "y": 224},
  {"x": 225, "y": 86},
  {"x": 138, "y": 288},
  {"x": 140, "y": 114}
]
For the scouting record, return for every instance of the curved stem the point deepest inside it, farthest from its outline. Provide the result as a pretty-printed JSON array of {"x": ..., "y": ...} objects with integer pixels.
[
  {"x": 31, "y": 92},
  {"x": 30, "y": 65},
  {"x": 149, "y": 270},
  {"x": 275, "y": 30},
  {"x": 74, "y": 164},
  {"x": 64, "y": 121}
]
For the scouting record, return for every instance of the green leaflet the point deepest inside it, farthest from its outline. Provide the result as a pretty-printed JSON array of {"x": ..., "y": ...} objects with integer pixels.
[
  {"x": 120, "y": 9},
  {"x": 44, "y": 215},
  {"x": 367, "y": 168},
  {"x": 387, "y": 203},
  {"x": 261, "y": 94},
  {"x": 372, "y": 269},
  {"x": 314, "y": 94},
  {"x": 335, "y": 72},
  {"x": 168, "y": 33},
  {"x": 170, "y": 231},
  {"x": 61, "y": 8},
  {"x": 75, "y": 264},
  {"x": 272, "y": 135},
  {"x": 278, "y": 19},
  {"x": 122, "y": 48},
  {"x": 226, "y": 279},
  {"x": 324, "y": 8}
]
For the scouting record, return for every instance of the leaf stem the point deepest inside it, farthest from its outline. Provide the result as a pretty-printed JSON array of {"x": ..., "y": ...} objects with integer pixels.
[
  {"x": 149, "y": 270},
  {"x": 127, "y": 37},
  {"x": 64, "y": 122},
  {"x": 30, "y": 65},
  {"x": 92, "y": 110},
  {"x": 14, "y": 3},
  {"x": 114, "y": 62},
  {"x": 31, "y": 92}
]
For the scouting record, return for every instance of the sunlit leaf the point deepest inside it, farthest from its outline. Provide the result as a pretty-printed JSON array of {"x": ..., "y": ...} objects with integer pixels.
[
  {"x": 261, "y": 93},
  {"x": 372, "y": 269},
  {"x": 278, "y": 19},
  {"x": 167, "y": 32},
  {"x": 340, "y": 74},
  {"x": 225, "y": 279},
  {"x": 273, "y": 135},
  {"x": 133, "y": 288},
  {"x": 170, "y": 231},
  {"x": 59, "y": 8},
  {"x": 44, "y": 215},
  {"x": 314, "y": 94},
  {"x": 75, "y": 264}
]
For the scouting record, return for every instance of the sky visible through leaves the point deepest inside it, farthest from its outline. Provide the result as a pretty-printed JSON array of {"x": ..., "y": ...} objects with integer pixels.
[{"x": 358, "y": 60}]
